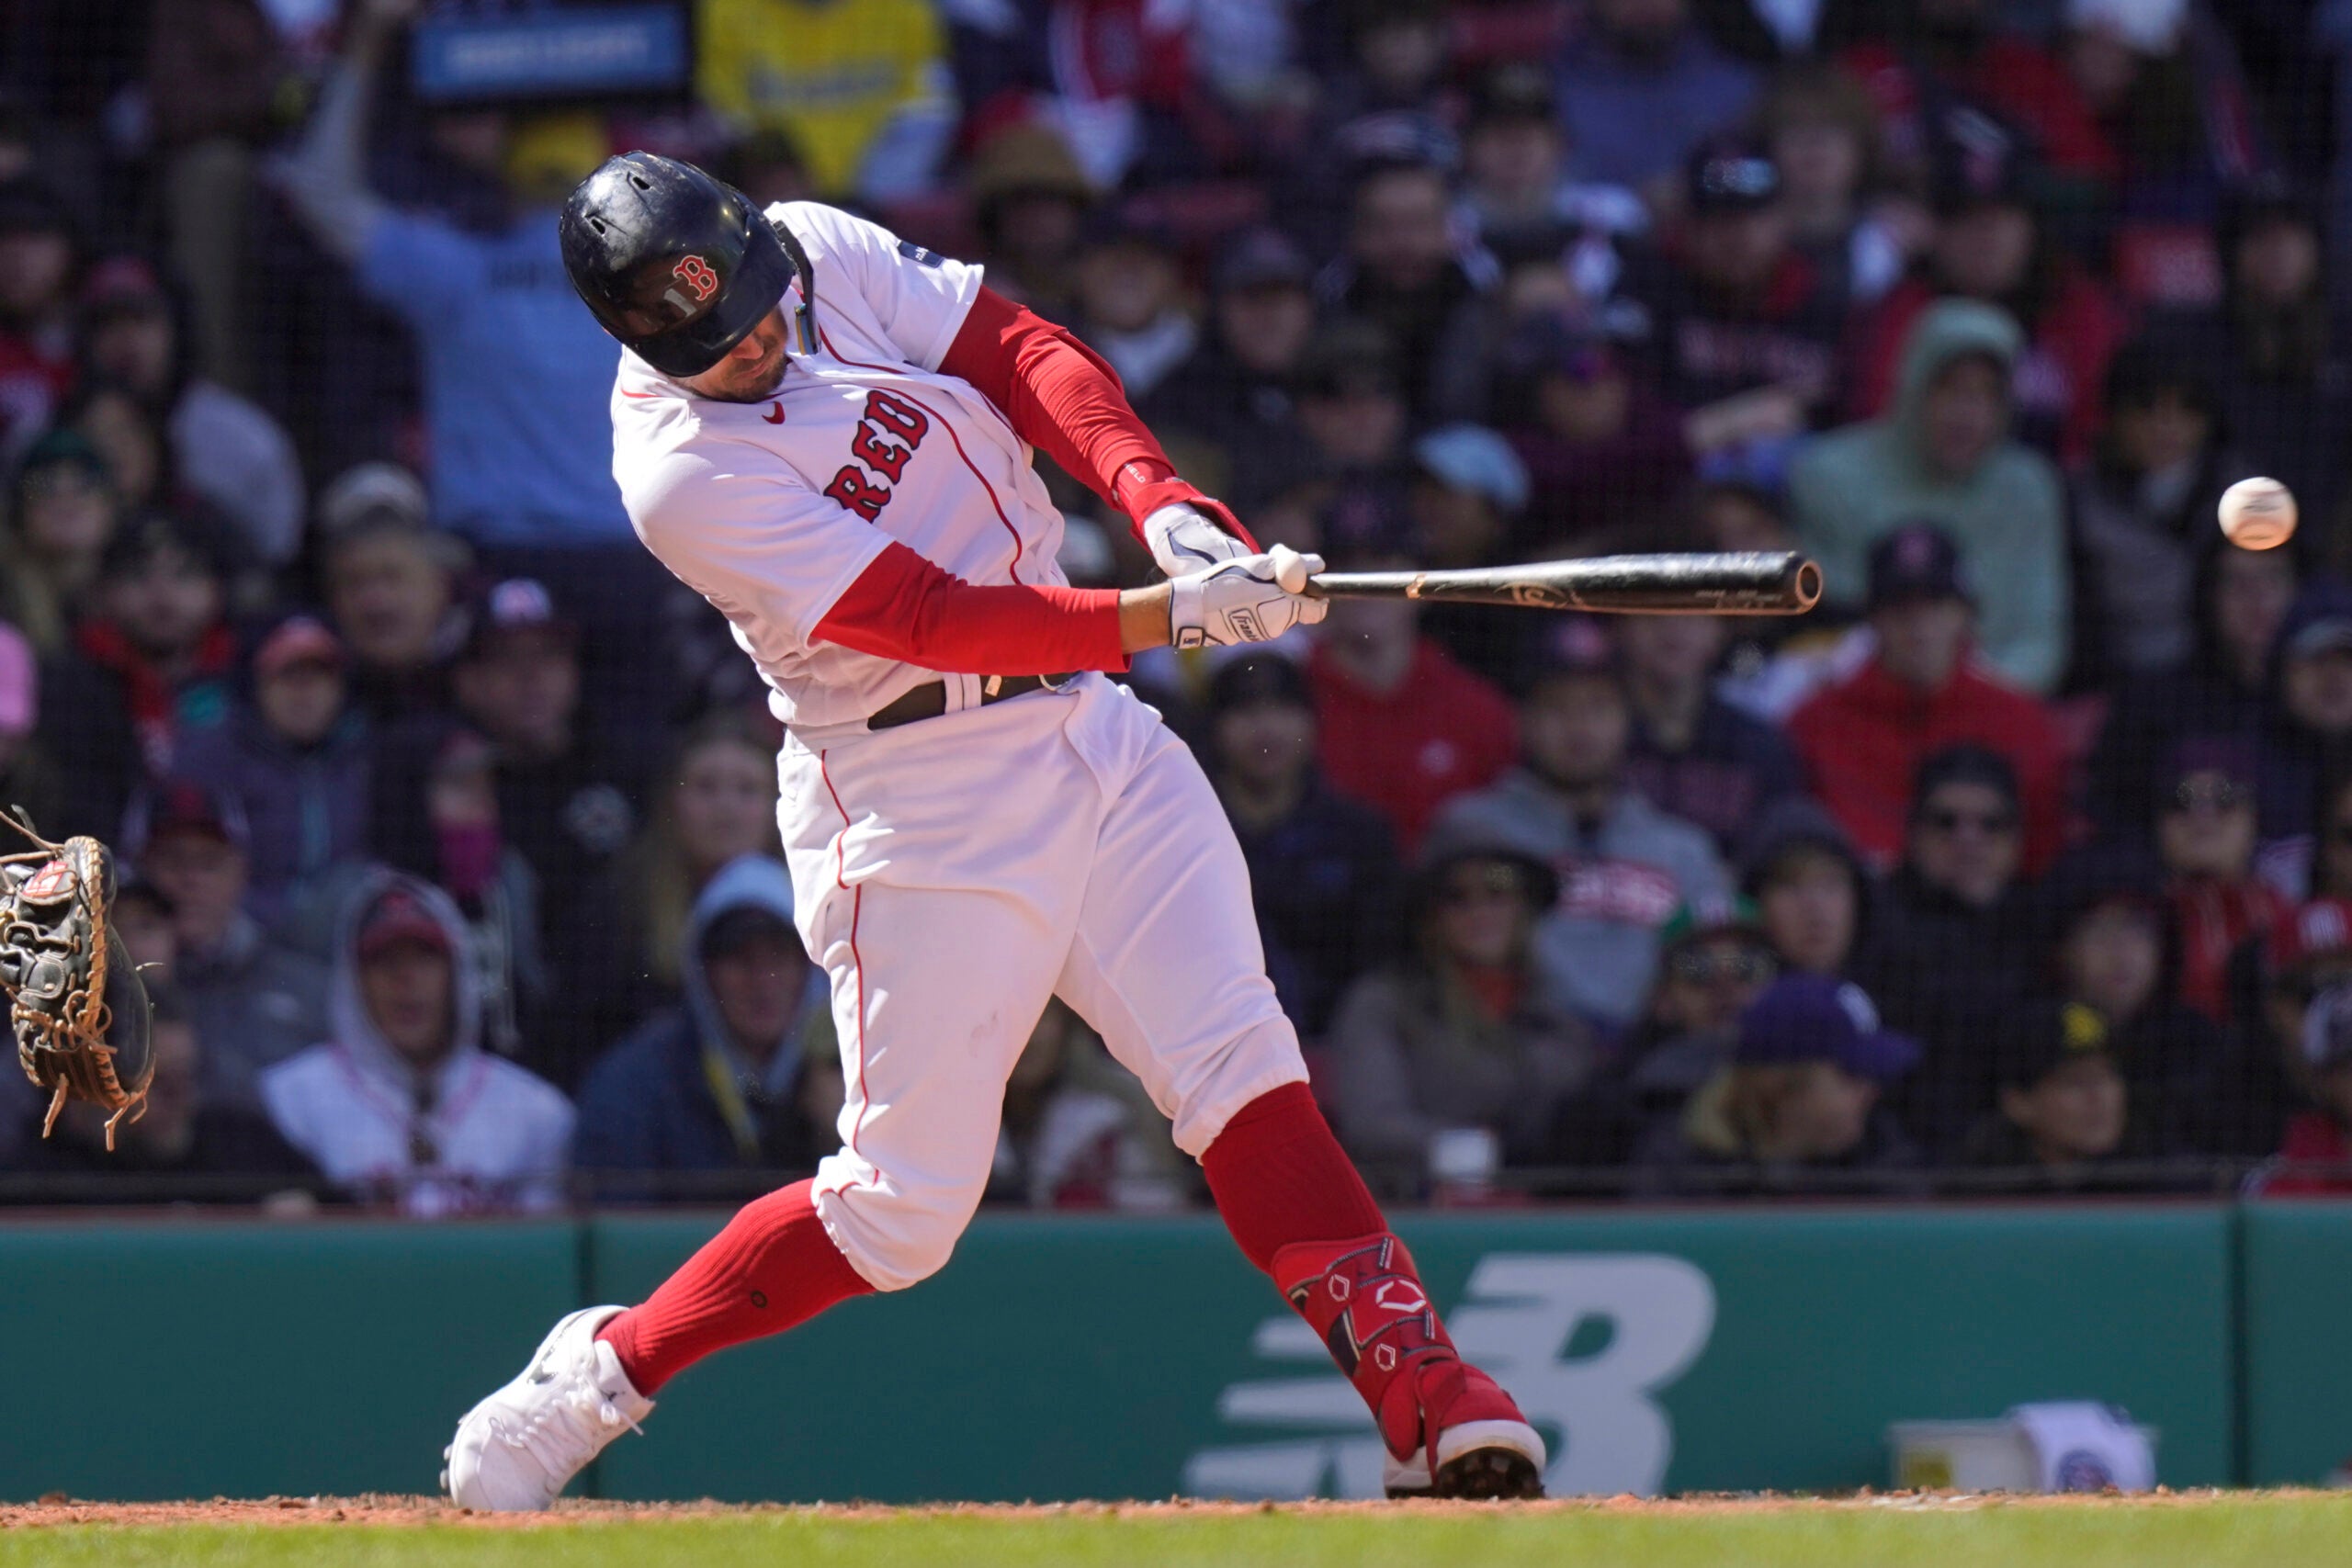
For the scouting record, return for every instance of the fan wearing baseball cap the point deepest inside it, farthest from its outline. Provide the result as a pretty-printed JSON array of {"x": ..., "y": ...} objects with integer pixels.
[
  {"x": 294, "y": 756},
  {"x": 255, "y": 999},
  {"x": 1862, "y": 738},
  {"x": 1797, "y": 1110},
  {"x": 1735, "y": 310},
  {"x": 401, "y": 1104},
  {"x": 2064, "y": 1107}
]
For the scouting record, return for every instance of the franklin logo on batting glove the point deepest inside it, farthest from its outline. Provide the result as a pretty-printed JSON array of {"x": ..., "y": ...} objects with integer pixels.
[{"x": 1251, "y": 599}]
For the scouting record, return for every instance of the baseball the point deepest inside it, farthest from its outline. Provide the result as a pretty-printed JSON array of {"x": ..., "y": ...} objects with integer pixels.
[{"x": 2258, "y": 514}]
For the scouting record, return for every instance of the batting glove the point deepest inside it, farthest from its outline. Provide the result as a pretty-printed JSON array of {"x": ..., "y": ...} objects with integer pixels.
[
  {"x": 1183, "y": 538},
  {"x": 1250, "y": 599}
]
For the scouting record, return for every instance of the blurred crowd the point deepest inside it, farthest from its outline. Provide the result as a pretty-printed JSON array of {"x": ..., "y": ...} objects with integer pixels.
[{"x": 448, "y": 818}]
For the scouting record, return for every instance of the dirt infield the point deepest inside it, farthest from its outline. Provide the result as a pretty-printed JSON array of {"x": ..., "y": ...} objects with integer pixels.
[{"x": 378, "y": 1509}]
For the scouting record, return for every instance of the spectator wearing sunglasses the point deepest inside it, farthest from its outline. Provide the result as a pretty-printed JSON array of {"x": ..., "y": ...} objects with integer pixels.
[
  {"x": 1715, "y": 961},
  {"x": 2205, "y": 839},
  {"x": 1861, "y": 738},
  {"x": 1464, "y": 1032},
  {"x": 1947, "y": 953}
]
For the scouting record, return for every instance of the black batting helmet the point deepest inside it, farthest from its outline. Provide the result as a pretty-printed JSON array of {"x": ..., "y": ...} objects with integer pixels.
[{"x": 677, "y": 265}]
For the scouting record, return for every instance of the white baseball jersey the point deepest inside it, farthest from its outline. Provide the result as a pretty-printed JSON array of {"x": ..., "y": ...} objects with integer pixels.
[
  {"x": 951, "y": 874},
  {"x": 771, "y": 510}
]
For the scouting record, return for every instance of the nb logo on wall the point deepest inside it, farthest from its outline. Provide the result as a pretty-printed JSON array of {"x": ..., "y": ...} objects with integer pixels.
[{"x": 1308, "y": 1435}]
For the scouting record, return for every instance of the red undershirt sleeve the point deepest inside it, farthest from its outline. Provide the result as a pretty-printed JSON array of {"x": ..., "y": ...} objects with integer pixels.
[
  {"x": 904, "y": 607},
  {"x": 1063, "y": 400}
]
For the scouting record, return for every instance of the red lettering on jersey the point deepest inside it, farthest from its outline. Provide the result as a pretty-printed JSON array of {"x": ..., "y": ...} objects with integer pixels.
[
  {"x": 888, "y": 461},
  {"x": 695, "y": 273},
  {"x": 860, "y": 494},
  {"x": 898, "y": 416}
]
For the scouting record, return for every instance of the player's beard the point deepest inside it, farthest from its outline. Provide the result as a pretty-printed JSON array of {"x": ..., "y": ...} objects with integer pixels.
[{"x": 753, "y": 385}]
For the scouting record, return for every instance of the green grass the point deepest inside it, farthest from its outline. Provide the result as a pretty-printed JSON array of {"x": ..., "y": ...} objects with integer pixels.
[{"x": 2253, "y": 1530}]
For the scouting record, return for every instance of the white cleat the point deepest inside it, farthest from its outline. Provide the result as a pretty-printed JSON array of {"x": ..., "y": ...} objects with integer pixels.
[{"x": 516, "y": 1450}]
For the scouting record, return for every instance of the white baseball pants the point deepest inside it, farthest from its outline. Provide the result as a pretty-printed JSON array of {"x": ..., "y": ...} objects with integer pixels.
[{"x": 954, "y": 873}]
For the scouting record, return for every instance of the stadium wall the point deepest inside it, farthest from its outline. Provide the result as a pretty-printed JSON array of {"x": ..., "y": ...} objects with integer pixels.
[{"x": 1065, "y": 1358}]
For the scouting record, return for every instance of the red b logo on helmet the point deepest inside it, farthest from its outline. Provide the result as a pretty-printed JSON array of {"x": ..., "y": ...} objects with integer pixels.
[{"x": 695, "y": 273}]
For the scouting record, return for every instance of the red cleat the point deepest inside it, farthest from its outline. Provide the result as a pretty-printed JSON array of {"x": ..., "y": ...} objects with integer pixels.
[{"x": 1450, "y": 1430}]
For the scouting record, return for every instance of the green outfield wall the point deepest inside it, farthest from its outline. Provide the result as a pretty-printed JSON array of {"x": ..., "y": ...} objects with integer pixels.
[{"x": 1062, "y": 1357}]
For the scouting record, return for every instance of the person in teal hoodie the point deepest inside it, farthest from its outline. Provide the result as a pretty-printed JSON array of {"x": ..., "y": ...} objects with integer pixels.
[{"x": 1944, "y": 453}]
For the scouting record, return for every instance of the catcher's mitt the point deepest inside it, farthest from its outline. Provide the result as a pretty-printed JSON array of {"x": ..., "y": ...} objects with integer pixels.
[{"x": 75, "y": 1003}]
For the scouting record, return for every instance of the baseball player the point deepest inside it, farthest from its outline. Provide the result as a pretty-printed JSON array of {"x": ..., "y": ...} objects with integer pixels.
[{"x": 827, "y": 432}]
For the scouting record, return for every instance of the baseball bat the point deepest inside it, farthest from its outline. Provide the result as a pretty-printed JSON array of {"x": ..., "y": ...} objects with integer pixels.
[{"x": 1761, "y": 583}]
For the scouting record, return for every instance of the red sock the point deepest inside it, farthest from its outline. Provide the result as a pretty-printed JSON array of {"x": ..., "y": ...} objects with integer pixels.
[
  {"x": 1280, "y": 1178},
  {"x": 772, "y": 1267}
]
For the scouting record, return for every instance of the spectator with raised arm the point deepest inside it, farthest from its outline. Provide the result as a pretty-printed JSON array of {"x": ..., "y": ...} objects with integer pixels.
[
  {"x": 516, "y": 375},
  {"x": 1640, "y": 88}
]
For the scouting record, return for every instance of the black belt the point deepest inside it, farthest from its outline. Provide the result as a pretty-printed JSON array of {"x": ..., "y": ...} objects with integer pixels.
[{"x": 930, "y": 701}]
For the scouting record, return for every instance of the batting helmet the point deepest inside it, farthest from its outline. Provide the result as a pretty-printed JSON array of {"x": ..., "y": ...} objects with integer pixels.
[{"x": 678, "y": 265}]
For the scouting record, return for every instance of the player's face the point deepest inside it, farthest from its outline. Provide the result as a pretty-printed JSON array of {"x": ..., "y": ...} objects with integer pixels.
[{"x": 751, "y": 369}]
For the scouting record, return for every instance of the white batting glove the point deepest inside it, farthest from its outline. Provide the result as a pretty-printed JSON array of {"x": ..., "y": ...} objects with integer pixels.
[
  {"x": 1248, "y": 599},
  {"x": 1184, "y": 540}
]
